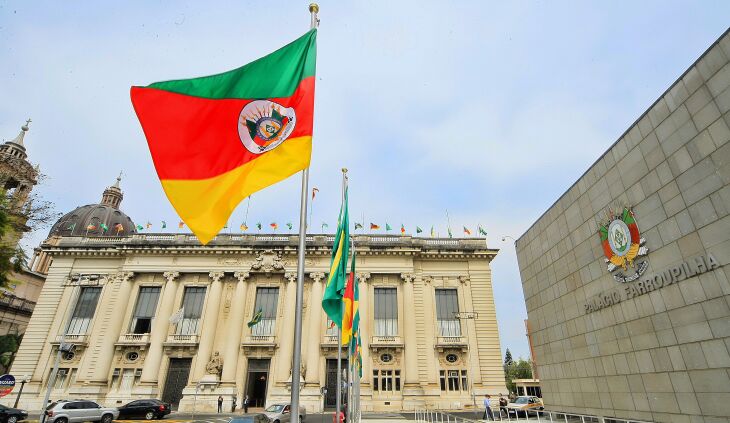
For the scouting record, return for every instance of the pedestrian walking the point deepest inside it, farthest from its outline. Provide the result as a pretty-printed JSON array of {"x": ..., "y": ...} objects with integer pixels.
[
  {"x": 233, "y": 404},
  {"x": 220, "y": 404},
  {"x": 488, "y": 415},
  {"x": 502, "y": 405},
  {"x": 246, "y": 400}
]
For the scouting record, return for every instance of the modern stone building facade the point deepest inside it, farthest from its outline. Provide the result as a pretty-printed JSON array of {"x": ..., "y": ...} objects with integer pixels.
[
  {"x": 650, "y": 341},
  {"x": 114, "y": 296}
]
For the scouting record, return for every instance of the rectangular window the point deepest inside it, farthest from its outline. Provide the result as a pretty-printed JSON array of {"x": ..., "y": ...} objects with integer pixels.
[
  {"x": 447, "y": 305},
  {"x": 61, "y": 378},
  {"x": 144, "y": 310},
  {"x": 193, "y": 299},
  {"x": 386, "y": 312},
  {"x": 386, "y": 380},
  {"x": 84, "y": 310},
  {"x": 454, "y": 380},
  {"x": 127, "y": 380},
  {"x": 267, "y": 300},
  {"x": 331, "y": 328}
]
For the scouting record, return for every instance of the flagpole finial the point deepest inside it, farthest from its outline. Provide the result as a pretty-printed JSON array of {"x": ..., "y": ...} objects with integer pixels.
[
  {"x": 344, "y": 170},
  {"x": 314, "y": 7}
]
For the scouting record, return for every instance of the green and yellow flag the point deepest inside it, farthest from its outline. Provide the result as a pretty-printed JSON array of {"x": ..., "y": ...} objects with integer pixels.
[
  {"x": 333, "y": 292},
  {"x": 256, "y": 318}
]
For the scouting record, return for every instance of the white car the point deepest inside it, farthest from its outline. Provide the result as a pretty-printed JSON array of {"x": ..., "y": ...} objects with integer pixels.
[
  {"x": 281, "y": 413},
  {"x": 74, "y": 411}
]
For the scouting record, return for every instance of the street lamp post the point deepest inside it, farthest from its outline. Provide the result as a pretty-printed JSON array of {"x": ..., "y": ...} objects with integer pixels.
[
  {"x": 469, "y": 315},
  {"x": 23, "y": 381}
]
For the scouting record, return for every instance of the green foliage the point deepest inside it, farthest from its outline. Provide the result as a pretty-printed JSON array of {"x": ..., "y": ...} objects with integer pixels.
[
  {"x": 8, "y": 347},
  {"x": 507, "y": 358},
  {"x": 519, "y": 369},
  {"x": 12, "y": 257}
]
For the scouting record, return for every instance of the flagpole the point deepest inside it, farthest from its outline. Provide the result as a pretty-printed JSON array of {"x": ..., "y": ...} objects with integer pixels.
[
  {"x": 297, "y": 356},
  {"x": 338, "y": 404}
]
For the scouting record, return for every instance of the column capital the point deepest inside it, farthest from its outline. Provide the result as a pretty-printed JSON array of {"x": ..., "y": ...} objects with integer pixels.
[
  {"x": 216, "y": 276},
  {"x": 316, "y": 276},
  {"x": 291, "y": 276},
  {"x": 464, "y": 279},
  {"x": 171, "y": 276},
  {"x": 125, "y": 276},
  {"x": 427, "y": 279},
  {"x": 241, "y": 276},
  {"x": 408, "y": 277},
  {"x": 363, "y": 277}
]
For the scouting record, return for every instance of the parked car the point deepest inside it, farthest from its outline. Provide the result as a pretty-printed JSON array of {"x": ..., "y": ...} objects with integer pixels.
[
  {"x": 12, "y": 415},
  {"x": 147, "y": 408},
  {"x": 524, "y": 405},
  {"x": 250, "y": 418},
  {"x": 72, "y": 411},
  {"x": 281, "y": 413}
]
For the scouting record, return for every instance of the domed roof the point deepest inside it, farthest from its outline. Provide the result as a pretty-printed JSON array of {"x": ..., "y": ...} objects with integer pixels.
[{"x": 104, "y": 219}]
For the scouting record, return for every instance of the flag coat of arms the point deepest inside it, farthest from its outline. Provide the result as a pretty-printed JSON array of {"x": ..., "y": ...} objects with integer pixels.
[{"x": 217, "y": 139}]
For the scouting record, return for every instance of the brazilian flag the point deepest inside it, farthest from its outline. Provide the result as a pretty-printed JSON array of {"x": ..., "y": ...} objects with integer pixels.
[
  {"x": 256, "y": 318},
  {"x": 335, "y": 289}
]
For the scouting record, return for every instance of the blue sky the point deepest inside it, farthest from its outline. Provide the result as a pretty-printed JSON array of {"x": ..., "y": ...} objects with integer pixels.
[{"x": 489, "y": 110}]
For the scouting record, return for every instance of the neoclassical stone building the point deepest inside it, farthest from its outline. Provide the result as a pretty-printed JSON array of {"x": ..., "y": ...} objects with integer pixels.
[{"x": 159, "y": 315}]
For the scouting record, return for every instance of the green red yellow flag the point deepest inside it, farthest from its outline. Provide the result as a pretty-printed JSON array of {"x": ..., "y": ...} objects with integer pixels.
[
  {"x": 333, "y": 292},
  {"x": 350, "y": 305},
  {"x": 216, "y": 139}
]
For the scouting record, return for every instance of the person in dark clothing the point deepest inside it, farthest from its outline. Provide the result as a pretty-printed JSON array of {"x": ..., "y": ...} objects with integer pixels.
[
  {"x": 233, "y": 404},
  {"x": 502, "y": 404},
  {"x": 246, "y": 401},
  {"x": 220, "y": 404}
]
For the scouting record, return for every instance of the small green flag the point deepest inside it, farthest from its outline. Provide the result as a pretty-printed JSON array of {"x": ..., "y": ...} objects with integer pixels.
[
  {"x": 481, "y": 230},
  {"x": 433, "y": 234},
  {"x": 140, "y": 227},
  {"x": 358, "y": 226},
  {"x": 164, "y": 224},
  {"x": 450, "y": 236},
  {"x": 324, "y": 225},
  {"x": 387, "y": 227},
  {"x": 258, "y": 226},
  {"x": 289, "y": 225},
  {"x": 104, "y": 227},
  {"x": 418, "y": 229},
  {"x": 71, "y": 227},
  {"x": 256, "y": 318}
]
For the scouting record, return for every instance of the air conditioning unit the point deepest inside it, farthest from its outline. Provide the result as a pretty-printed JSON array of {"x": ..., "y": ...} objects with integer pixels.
[
  {"x": 138, "y": 373},
  {"x": 116, "y": 372}
]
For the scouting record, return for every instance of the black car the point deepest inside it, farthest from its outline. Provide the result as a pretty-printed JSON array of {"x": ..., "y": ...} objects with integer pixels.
[
  {"x": 146, "y": 409},
  {"x": 12, "y": 415}
]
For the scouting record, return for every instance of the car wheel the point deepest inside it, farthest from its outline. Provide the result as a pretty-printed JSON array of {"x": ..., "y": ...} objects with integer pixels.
[
  {"x": 149, "y": 415},
  {"x": 107, "y": 418},
  {"x": 12, "y": 419},
  {"x": 61, "y": 420}
]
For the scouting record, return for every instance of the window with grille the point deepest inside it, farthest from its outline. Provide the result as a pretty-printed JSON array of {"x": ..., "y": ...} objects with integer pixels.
[
  {"x": 386, "y": 312},
  {"x": 447, "y": 305},
  {"x": 454, "y": 380},
  {"x": 144, "y": 310},
  {"x": 193, "y": 300},
  {"x": 267, "y": 300},
  {"x": 84, "y": 310},
  {"x": 386, "y": 380}
]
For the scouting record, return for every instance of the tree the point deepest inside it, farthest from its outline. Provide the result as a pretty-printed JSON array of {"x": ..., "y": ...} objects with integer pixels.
[
  {"x": 8, "y": 347},
  {"x": 520, "y": 369},
  {"x": 507, "y": 358}
]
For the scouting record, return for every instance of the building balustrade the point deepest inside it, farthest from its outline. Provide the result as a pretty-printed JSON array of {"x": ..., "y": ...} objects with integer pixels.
[
  {"x": 182, "y": 339},
  {"x": 259, "y": 343},
  {"x": 443, "y": 342},
  {"x": 386, "y": 341},
  {"x": 135, "y": 339},
  {"x": 76, "y": 339}
]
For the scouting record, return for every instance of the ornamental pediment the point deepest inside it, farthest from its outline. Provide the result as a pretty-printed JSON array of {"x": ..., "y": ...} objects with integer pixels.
[{"x": 268, "y": 261}]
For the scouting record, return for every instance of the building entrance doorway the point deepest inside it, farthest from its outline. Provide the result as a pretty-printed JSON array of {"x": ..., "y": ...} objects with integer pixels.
[
  {"x": 330, "y": 399},
  {"x": 177, "y": 377},
  {"x": 257, "y": 381}
]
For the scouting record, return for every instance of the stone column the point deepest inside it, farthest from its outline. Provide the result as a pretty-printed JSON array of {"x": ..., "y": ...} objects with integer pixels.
[
  {"x": 314, "y": 331},
  {"x": 160, "y": 327},
  {"x": 113, "y": 328},
  {"x": 409, "y": 335},
  {"x": 235, "y": 325},
  {"x": 207, "y": 331},
  {"x": 367, "y": 328},
  {"x": 286, "y": 331}
]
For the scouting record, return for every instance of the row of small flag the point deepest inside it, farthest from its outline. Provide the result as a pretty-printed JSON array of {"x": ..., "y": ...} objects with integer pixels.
[{"x": 275, "y": 226}]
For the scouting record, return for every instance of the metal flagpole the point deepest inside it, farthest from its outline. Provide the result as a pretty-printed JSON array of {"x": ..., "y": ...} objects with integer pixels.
[{"x": 297, "y": 356}]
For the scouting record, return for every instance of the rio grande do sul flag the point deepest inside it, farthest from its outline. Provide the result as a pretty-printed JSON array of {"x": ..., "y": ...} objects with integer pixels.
[{"x": 217, "y": 139}]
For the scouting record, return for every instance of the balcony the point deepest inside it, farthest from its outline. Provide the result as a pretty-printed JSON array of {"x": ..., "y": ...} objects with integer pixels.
[
  {"x": 181, "y": 340},
  {"x": 386, "y": 341},
  {"x": 329, "y": 342},
  {"x": 259, "y": 343},
  {"x": 139, "y": 339},
  {"x": 76, "y": 339},
  {"x": 459, "y": 342}
]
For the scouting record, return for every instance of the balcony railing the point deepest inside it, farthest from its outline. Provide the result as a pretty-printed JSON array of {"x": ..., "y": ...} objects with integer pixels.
[
  {"x": 73, "y": 339},
  {"x": 182, "y": 339},
  {"x": 451, "y": 341},
  {"x": 386, "y": 341},
  {"x": 260, "y": 339},
  {"x": 135, "y": 339}
]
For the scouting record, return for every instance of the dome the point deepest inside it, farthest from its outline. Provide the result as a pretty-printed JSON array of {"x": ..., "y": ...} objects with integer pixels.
[
  {"x": 103, "y": 219},
  {"x": 87, "y": 221}
]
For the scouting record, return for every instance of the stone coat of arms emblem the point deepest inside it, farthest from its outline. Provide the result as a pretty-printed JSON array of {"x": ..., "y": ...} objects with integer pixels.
[{"x": 623, "y": 246}]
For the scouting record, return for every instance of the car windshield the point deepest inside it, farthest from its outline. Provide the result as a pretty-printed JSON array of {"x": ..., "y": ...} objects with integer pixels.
[
  {"x": 520, "y": 400},
  {"x": 276, "y": 408}
]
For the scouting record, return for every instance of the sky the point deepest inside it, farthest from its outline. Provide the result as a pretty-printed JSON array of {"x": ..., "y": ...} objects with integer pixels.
[{"x": 484, "y": 110}]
